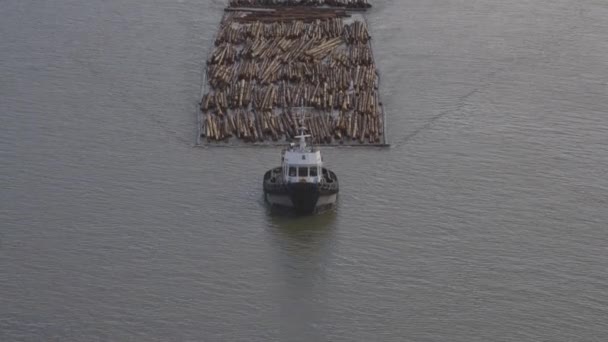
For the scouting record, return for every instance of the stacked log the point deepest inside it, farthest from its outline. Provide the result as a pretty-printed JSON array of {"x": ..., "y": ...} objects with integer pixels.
[
  {"x": 356, "y": 33},
  {"x": 268, "y": 63},
  {"x": 220, "y": 76},
  {"x": 229, "y": 34},
  {"x": 273, "y": 3},
  {"x": 224, "y": 54},
  {"x": 321, "y": 51},
  {"x": 292, "y": 14},
  {"x": 360, "y": 54}
]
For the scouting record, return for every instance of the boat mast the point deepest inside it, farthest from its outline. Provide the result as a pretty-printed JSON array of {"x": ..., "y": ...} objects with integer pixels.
[{"x": 302, "y": 137}]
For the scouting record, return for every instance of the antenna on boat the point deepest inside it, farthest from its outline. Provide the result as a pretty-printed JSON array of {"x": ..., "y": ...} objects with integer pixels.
[
  {"x": 302, "y": 136},
  {"x": 302, "y": 128}
]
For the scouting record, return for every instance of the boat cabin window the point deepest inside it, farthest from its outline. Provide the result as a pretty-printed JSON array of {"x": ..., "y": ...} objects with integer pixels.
[
  {"x": 313, "y": 171},
  {"x": 303, "y": 172},
  {"x": 292, "y": 171}
]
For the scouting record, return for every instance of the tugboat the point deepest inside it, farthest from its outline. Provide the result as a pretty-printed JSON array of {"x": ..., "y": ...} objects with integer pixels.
[{"x": 301, "y": 183}]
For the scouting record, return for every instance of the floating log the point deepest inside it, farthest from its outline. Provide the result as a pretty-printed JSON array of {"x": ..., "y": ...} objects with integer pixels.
[
  {"x": 274, "y": 3},
  {"x": 268, "y": 61}
]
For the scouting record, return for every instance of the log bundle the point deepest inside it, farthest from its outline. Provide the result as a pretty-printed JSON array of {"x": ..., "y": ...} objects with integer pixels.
[
  {"x": 268, "y": 65},
  {"x": 273, "y": 3}
]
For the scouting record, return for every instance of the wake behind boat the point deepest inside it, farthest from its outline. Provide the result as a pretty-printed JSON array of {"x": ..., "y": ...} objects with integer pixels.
[{"x": 301, "y": 182}]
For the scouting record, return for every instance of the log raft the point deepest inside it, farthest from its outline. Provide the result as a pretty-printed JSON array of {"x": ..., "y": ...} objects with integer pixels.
[{"x": 273, "y": 58}]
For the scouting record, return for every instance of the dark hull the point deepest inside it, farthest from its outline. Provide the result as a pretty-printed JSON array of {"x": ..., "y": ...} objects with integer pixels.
[{"x": 303, "y": 198}]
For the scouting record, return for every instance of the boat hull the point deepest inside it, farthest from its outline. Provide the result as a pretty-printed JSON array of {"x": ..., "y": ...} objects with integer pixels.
[{"x": 303, "y": 198}]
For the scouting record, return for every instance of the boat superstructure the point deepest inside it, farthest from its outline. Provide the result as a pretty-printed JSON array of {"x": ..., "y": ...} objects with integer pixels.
[{"x": 301, "y": 182}]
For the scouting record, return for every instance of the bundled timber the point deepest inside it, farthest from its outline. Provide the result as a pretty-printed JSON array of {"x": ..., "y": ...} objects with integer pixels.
[
  {"x": 292, "y": 14},
  {"x": 267, "y": 64},
  {"x": 321, "y": 51},
  {"x": 273, "y": 3},
  {"x": 356, "y": 33},
  {"x": 224, "y": 54}
]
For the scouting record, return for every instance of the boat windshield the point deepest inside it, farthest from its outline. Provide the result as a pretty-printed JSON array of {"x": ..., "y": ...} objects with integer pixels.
[
  {"x": 303, "y": 172},
  {"x": 313, "y": 171}
]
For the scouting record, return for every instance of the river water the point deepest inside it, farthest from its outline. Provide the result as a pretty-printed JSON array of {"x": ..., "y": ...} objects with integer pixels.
[{"x": 486, "y": 220}]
